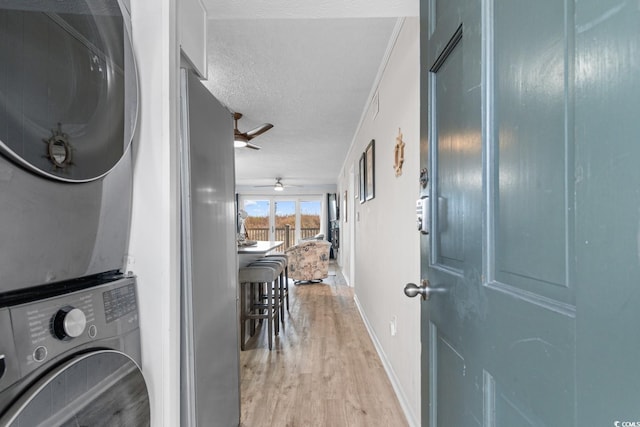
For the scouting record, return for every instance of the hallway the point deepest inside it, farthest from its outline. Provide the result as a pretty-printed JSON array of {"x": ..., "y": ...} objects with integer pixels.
[{"x": 323, "y": 370}]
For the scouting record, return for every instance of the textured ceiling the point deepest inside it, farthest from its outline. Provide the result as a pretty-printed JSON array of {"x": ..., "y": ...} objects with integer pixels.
[
  {"x": 301, "y": 9},
  {"x": 311, "y": 78}
]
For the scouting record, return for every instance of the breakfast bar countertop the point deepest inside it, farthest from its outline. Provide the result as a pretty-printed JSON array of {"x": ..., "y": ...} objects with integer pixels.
[
  {"x": 260, "y": 248},
  {"x": 248, "y": 254}
]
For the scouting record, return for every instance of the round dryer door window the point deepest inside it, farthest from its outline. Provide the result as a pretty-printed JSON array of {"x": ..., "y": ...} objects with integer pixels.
[
  {"x": 98, "y": 389},
  {"x": 68, "y": 86}
]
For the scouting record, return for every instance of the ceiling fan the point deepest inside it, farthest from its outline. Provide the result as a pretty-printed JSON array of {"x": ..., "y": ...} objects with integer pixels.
[
  {"x": 241, "y": 139},
  {"x": 278, "y": 186}
]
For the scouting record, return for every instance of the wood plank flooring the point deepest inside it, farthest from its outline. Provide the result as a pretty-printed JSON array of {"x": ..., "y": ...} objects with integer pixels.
[{"x": 323, "y": 369}]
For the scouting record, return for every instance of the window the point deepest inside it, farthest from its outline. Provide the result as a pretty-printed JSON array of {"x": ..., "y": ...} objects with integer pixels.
[{"x": 288, "y": 219}]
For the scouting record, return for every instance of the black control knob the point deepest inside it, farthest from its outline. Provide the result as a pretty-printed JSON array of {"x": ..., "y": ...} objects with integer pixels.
[{"x": 69, "y": 323}]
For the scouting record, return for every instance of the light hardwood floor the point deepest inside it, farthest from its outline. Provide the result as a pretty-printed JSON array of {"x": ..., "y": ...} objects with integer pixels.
[{"x": 323, "y": 369}]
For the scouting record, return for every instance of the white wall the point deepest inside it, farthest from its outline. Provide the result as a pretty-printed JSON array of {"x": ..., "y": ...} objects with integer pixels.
[
  {"x": 154, "y": 246},
  {"x": 387, "y": 245}
]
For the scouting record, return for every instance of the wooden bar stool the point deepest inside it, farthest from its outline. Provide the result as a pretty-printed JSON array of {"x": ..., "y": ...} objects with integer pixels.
[
  {"x": 264, "y": 308},
  {"x": 279, "y": 264},
  {"x": 284, "y": 289}
]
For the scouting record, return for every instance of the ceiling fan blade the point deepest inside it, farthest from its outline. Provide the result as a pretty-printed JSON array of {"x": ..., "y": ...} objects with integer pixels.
[
  {"x": 272, "y": 185},
  {"x": 252, "y": 146},
  {"x": 259, "y": 130}
]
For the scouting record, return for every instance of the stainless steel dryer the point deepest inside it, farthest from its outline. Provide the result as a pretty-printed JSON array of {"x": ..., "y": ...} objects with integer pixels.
[
  {"x": 68, "y": 110},
  {"x": 72, "y": 358}
]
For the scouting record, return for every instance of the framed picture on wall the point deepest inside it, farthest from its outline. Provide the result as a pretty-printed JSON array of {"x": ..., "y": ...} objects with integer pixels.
[
  {"x": 370, "y": 171},
  {"x": 361, "y": 175}
]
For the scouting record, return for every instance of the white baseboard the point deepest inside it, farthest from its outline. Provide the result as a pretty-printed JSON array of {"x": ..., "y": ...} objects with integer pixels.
[
  {"x": 346, "y": 280},
  {"x": 402, "y": 398}
]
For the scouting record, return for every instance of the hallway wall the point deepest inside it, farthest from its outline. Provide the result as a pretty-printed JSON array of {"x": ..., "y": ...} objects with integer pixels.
[
  {"x": 387, "y": 251},
  {"x": 154, "y": 247}
]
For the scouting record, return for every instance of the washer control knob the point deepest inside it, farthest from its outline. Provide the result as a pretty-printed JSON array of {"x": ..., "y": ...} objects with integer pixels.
[{"x": 69, "y": 323}]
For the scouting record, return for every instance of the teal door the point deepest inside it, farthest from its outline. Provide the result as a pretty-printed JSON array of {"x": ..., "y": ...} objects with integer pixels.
[
  {"x": 607, "y": 212},
  {"x": 531, "y": 137}
]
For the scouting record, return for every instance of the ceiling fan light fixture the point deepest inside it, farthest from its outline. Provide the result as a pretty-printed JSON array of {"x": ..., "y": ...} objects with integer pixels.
[
  {"x": 278, "y": 186},
  {"x": 239, "y": 141}
]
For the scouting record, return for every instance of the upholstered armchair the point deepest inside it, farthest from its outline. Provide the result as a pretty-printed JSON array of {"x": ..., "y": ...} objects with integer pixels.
[{"x": 309, "y": 260}]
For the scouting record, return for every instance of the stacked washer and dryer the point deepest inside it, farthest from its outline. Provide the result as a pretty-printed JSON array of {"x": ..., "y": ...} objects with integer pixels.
[{"x": 69, "y": 334}]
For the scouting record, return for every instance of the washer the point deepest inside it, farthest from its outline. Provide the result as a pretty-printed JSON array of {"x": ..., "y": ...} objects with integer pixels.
[{"x": 70, "y": 355}]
